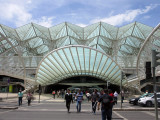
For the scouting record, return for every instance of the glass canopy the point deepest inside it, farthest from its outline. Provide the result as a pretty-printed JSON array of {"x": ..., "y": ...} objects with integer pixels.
[{"x": 72, "y": 61}]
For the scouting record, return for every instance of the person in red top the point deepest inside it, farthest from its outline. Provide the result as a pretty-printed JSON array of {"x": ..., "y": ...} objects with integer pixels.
[
  {"x": 112, "y": 102},
  {"x": 54, "y": 93}
]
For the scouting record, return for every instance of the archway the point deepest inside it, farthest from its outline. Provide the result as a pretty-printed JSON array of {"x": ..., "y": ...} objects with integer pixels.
[{"x": 77, "y": 60}]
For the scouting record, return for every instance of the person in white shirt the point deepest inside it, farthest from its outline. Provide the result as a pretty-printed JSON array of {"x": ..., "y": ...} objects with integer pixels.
[{"x": 115, "y": 97}]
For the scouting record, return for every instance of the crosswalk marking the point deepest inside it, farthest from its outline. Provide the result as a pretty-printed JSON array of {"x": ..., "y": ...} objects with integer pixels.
[
  {"x": 149, "y": 113},
  {"x": 120, "y": 115}
]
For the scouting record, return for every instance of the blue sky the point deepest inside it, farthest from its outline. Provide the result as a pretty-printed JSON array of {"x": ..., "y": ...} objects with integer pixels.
[{"x": 15, "y": 13}]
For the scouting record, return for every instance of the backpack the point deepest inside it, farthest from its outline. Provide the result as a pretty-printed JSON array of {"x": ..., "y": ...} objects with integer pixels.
[{"x": 106, "y": 102}]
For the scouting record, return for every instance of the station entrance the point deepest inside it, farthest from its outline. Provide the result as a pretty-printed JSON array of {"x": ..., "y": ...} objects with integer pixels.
[{"x": 85, "y": 83}]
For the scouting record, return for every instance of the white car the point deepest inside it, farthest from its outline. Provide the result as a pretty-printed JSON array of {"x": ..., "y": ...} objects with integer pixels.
[{"x": 149, "y": 100}]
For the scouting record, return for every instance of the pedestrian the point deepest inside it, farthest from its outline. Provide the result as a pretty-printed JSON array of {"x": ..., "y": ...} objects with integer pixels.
[
  {"x": 122, "y": 96},
  {"x": 115, "y": 97},
  {"x": 112, "y": 102},
  {"x": 62, "y": 93},
  {"x": 79, "y": 97},
  {"x": 74, "y": 96},
  {"x": 20, "y": 96},
  {"x": 101, "y": 92},
  {"x": 58, "y": 93},
  {"x": 88, "y": 96},
  {"x": 69, "y": 99},
  {"x": 29, "y": 97},
  {"x": 53, "y": 93},
  {"x": 105, "y": 100},
  {"x": 94, "y": 100}
]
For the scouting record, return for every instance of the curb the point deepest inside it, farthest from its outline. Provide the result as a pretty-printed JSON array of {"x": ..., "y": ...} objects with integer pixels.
[
  {"x": 134, "y": 109},
  {"x": 8, "y": 107}
]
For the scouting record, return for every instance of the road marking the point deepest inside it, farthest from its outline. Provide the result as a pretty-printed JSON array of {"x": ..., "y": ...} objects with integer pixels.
[
  {"x": 120, "y": 115},
  {"x": 6, "y": 111},
  {"x": 149, "y": 113}
]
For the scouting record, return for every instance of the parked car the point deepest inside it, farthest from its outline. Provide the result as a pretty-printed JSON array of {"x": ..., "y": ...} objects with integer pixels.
[
  {"x": 158, "y": 102},
  {"x": 149, "y": 100},
  {"x": 134, "y": 101}
]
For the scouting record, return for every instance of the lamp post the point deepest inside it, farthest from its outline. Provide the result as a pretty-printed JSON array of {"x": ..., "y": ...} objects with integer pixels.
[
  {"x": 122, "y": 77},
  {"x": 155, "y": 63},
  {"x": 39, "y": 92}
]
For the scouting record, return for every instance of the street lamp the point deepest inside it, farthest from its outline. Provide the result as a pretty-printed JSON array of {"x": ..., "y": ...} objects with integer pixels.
[
  {"x": 122, "y": 77},
  {"x": 155, "y": 63}
]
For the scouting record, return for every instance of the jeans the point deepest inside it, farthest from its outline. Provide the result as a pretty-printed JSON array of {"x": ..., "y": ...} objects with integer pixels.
[
  {"x": 20, "y": 100},
  {"x": 106, "y": 112},
  {"x": 110, "y": 109},
  {"x": 68, "y": 105},
  {"x": 115, "y": 100},
  {"x": 122, "y": 98},
  {"x": 29, "y": 102},
  {"x": 94, "y": 105},
  {"x": 78, "y": 106}
]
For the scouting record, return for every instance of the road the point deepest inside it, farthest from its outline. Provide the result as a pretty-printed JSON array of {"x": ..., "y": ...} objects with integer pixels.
[{"x": 55, "y": 110}]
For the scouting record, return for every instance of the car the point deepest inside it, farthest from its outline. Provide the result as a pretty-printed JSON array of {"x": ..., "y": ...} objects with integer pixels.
[
  {"x": 134, "y": 101},
  {"x": 158, "y": 102},
  {"x": 149, "y": 100}
]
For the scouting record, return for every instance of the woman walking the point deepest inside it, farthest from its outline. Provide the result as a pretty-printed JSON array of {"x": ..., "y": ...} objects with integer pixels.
[{"x": 29, "y": 97}]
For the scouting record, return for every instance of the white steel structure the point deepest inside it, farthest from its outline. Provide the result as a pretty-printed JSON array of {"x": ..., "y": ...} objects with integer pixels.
[
  {"x": 145, "y": 55},
  {"x": 22, "y": 49}
]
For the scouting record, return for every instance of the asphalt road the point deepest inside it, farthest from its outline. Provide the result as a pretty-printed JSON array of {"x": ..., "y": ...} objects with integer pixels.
[{"x": 49, "y": 110}]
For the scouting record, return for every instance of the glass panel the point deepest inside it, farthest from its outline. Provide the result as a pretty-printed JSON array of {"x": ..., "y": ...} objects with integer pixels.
[
  {"x": 98, "y": 58},
  {"x": 75, "y": 57},
  {"x": 92, "y": 59},
  {"x": 106, "y": 65},
  {"x": 69, "y": 56},
  {"x": 55, "y": 60},
  {"x": 44, "y": 74},
  {"x": 110, "y": 68},
  {"x": 87, "y": 54},
  {"x": 81, "y": 57},
  {"x": 64, "y": 60},
  {"x": 102, "y": 64},
  {"x": 53, "y": 66}
]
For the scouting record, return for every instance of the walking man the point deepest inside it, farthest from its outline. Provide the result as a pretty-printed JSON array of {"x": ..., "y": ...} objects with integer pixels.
[
  {"x": 79, "y": 97},
  {"x": 94, "y": 100},
  {"x": 105, "y": 100},
  {"x": 20, "y": 96},
  {"x": 68, "y": 98}
]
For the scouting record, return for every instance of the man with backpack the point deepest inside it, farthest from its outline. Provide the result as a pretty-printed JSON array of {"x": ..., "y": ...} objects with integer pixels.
[{"x": 105, "y": 100}]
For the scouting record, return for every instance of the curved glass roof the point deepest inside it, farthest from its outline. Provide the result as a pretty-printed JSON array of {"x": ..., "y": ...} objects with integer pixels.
[{"x": 72, "y": 61}]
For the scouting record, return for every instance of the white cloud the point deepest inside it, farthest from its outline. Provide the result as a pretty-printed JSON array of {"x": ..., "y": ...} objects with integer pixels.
[
  {"x": 19, "y": 15},
  {"x": 147, "y": 17},
  {"x": 81, "y": 25},
  {"x": 128, "y": 16},
  {"x": 29, "y": 1},
  {"x": 45, "y": 21},
  {"x": 14, "y": 13}
]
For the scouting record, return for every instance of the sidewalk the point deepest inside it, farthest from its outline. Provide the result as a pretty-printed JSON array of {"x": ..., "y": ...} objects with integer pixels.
[{"x": 10, "y": 101}]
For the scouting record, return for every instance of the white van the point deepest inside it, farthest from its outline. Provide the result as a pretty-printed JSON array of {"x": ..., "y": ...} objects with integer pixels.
[{"x": 149, "y": 100}]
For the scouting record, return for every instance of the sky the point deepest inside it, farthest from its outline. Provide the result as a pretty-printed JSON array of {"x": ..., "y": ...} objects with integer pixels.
[{"x": 16, "y": 13}]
